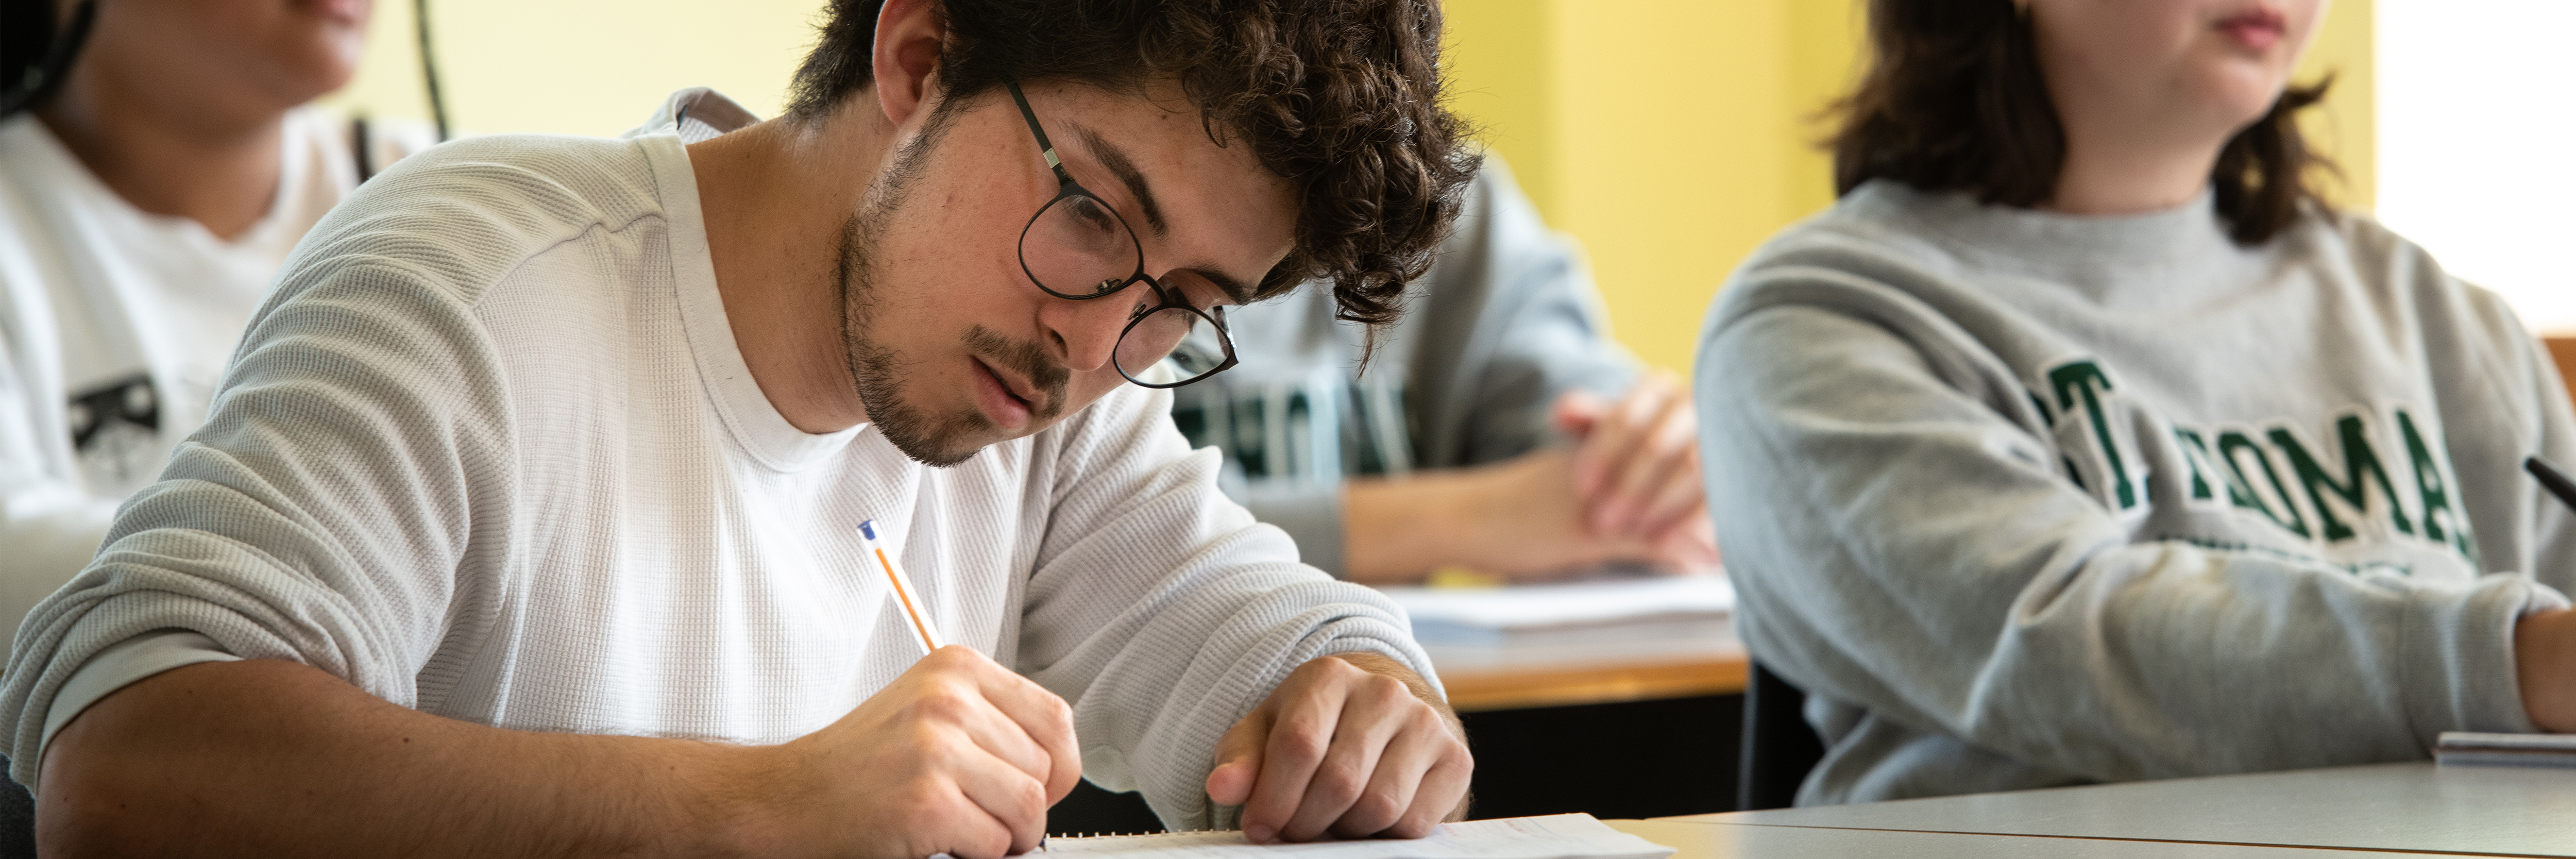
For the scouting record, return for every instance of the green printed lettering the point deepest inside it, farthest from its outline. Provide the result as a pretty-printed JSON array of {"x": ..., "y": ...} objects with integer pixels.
[
  {"x": 2083, "y": 378},
  {"x": 2241, "y": 492},
  {"x": 2195, "y": 451},
  {"x": 2358, "y": 457},
  {"x": 2434, "y": 490}
]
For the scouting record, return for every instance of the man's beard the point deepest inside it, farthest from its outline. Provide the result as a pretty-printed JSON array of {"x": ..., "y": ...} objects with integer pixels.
[{"x": 877, "y": 374}]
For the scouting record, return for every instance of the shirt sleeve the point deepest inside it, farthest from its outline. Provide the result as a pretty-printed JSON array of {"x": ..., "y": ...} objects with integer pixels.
[
  {"x": 1164, "y": 612},
  {"x": 1310, "y": 513},
  {"x": 1541, "y": 331},
  {"x": 2521, "y": 372},
  {"x": 308, "y": 519},
  {"x": 121, "y": 665},
  {"x": 1900, "y": 544}
]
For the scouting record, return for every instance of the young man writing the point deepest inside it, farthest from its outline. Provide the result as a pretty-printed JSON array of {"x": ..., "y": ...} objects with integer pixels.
[{"x": 525, "y": 523}]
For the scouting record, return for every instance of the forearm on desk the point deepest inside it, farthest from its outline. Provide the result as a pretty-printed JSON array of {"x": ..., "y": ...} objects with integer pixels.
[
  {"x": 1399, "y": 530},
  {"x": 274, "y": 758}
]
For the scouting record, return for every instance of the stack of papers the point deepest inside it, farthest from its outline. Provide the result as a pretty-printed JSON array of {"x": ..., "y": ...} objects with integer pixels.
[
  {"x": 1558, "y": 836},
  {"x": 1565, "y": 612},
  {"x": 2528, "y": 750}
]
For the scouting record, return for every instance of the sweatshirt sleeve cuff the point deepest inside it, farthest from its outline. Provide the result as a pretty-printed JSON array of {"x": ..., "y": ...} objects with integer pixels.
[
  {"x": 1310, "y": 513},
  {"x": 2460, "y": 676}
]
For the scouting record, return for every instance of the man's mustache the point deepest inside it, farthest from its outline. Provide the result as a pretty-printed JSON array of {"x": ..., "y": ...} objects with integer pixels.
[{"x": 1026, "y": 359}]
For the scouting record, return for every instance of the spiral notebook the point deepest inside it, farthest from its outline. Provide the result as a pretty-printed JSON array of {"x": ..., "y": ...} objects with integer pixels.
[{"x": 1556, "y": 836}]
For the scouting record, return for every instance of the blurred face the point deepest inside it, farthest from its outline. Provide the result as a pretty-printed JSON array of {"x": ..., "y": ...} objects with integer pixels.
[
  {"x": 951, "y": 346},
  {"x": 2173, "y": 68},
  {"x": 227, "y": 54}
]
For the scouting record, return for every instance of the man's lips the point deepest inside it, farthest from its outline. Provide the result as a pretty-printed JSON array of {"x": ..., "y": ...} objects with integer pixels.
[{"x": 1018, "y": 388}]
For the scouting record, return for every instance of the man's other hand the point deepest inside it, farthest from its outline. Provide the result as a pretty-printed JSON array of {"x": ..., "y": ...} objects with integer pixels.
[
  {"x": 959, "y": 756},
  {"x": 1350, "y": 744}
]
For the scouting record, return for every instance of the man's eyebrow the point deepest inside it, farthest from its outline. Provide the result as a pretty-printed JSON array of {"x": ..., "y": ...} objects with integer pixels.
[
  {"x": 1234, "y": 289},
  {"x": 1116, "y": 160}
]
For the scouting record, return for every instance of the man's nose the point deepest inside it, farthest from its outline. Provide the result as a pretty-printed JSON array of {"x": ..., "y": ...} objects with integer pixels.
[{"x": 1085, "y": 333}]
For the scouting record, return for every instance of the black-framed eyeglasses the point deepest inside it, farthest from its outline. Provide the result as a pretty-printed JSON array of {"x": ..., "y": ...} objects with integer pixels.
[{"x": 1079, "y": 248}]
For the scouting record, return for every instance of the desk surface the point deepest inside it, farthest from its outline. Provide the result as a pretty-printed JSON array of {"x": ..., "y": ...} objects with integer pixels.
[
  {"x": 1691, "y": 840},
  {"x": 1665, "y": 661},
  {"x": 2497, "y": 811}
]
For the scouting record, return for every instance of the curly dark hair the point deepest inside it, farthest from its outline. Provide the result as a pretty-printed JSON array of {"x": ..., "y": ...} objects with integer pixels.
[
  {"x": 1342, "y": 97},
  {"x": 1954, "y": 100}
]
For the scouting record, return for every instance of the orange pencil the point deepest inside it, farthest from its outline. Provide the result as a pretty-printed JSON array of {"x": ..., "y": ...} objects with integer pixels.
[{"x": 904, "y": 596}]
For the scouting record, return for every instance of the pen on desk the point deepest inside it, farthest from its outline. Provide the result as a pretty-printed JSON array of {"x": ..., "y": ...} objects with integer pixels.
[
  {"x": 2552, "y": 479},
  {"x": 905, "y": 597}
]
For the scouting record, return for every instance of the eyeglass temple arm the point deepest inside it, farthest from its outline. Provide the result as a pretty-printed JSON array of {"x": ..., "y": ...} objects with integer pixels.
[{"x": 1053, "y": 163}]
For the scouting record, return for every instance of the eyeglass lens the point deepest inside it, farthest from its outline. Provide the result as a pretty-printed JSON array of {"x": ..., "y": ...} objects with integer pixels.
[
  {"x": 1078, "y": 248},
  {"x": 1188, "y": 339}
]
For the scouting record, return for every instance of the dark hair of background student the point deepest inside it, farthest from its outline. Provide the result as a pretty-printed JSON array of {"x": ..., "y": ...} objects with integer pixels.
[
  {"x": 1953, "y": 101},
  {"x": 35, "y": 50},
  {"x": 1342, "y": 98}
]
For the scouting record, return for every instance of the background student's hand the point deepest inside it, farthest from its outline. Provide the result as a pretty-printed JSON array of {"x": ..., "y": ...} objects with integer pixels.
[
  {"x": 1628, "y": 490},
  {"x": 1637, "y": 470},
  {"x": 959, "y": 755},
  {"x": 1349, "y": 744}
]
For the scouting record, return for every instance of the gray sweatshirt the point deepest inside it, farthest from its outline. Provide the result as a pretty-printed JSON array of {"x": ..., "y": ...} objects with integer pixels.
[
  {"x": 2025, "y": 499},
  {"x": 1507, "y": 320}
]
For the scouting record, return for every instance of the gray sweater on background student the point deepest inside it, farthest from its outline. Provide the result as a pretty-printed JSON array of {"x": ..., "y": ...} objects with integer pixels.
[
  {"x": 2025, "y": 499},
  {"x": 1506, "y": 321}
]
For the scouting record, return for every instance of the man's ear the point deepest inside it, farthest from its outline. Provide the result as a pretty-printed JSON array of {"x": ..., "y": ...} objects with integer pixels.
[{"x": 909, "y": 35}]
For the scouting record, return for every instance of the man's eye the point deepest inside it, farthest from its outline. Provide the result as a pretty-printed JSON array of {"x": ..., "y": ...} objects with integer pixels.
[{"x": 1091, "y": 214}]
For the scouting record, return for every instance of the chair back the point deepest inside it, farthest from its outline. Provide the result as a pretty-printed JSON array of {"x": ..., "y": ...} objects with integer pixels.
[
  {"x": 17, "y": 818},
  {"x": 1779, "y": 748}
]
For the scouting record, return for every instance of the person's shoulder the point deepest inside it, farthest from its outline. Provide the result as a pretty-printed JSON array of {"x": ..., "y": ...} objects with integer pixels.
[
  {"x": 609, "y": 174},
  {"x": 464, "y": 213},
  {"x": 1879, "y": 218},
  {"x": 2395, "y": 271},
  {"x": 1875, "y": 243},
  {"x": 31, "y": 158}
]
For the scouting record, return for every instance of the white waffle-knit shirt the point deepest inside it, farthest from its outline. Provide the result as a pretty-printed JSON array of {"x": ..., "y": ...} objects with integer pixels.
[{"x": 490, "y": 452}]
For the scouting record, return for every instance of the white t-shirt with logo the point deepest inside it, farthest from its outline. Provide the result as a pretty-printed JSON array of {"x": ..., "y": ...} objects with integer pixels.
[{"x": 115, "y": 324}]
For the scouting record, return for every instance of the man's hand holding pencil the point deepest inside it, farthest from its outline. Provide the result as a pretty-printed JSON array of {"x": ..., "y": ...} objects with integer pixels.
[{"x": 959, "y": 755}]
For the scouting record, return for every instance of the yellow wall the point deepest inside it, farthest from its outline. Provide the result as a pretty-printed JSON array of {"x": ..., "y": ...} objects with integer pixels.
[
  {"x": 1672, "y": 136},
  {"x": 580, "y": 66},
  {"x": 1669, "y": 136}
]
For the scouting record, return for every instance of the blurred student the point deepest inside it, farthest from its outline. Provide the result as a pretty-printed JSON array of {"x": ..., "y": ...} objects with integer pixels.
[
  {"x": 2082, "y": 442},
  {"x": 149, "y": 190},
  {"x": 1480, "y": 433}
]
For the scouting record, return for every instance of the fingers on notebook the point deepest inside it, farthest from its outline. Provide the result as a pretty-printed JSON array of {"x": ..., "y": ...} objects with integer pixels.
[
  {"x": 1403, "y": 799},
  {"x": 1346, "y": 752},
  {"x": 1370, "y": 717}
]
